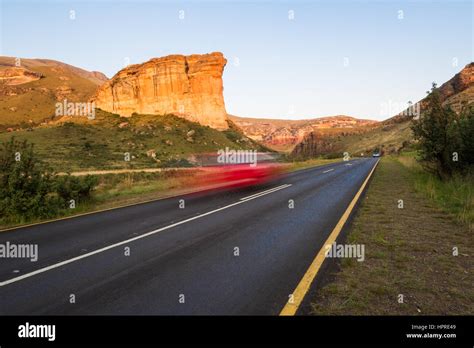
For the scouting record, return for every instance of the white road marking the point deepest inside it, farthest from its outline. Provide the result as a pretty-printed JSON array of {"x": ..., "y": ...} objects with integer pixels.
[
  {"x": 329, "y": 170},
  {"x": 348, "y": 164},
  {"x": 266, "y": 192},
  {"x": 62, "y": 263}
]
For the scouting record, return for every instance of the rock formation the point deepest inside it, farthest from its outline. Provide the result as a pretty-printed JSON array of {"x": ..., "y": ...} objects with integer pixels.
[
  {"x": 460, "y": 82},
  {"x": 187, "y": 86},
  {"x": 313, "y": 145},
  {"x": 283, "y": 135},
  {"x": 16, "y": 76}
]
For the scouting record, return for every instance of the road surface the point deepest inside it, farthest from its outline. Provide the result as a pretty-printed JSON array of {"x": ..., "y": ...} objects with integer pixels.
[{"x": 230, "y": 253}]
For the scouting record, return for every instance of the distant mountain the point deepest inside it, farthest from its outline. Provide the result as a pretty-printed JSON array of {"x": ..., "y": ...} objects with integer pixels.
[
  {"x": 395, "y": 133},
  {"x": 30, "y": 88},
  {"x": 283, "y": 135}
]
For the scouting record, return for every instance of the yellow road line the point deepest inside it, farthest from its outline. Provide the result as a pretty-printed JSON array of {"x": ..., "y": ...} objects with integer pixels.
[{"x": 292, "y": 306}]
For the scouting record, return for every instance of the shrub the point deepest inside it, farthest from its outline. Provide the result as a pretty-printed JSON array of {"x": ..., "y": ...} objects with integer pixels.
[
  {"x": 72, "y": 187},
  {"x": 29, "y": 189},
  {"x": 441, "y": 134}
]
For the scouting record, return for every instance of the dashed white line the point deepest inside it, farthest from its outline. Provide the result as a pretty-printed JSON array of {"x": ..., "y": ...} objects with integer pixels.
[
  {"x": 83, "y": 256},
  {"x": 329, "y": 170},
  {"x": 266, "y": 192}
]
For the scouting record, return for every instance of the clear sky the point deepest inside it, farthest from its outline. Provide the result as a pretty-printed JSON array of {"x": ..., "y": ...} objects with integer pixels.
[{"x": 286, "y": 59}]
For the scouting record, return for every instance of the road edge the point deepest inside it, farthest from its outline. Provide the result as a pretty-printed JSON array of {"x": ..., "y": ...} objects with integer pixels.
[{"x": 304, "y": 286}]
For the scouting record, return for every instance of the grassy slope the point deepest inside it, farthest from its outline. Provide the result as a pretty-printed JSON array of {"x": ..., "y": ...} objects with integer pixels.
[
  {"x": 101, "y": 144},
  {"x": 36, "y": 100},
  {"x": 388, "y": 137},
  {"x": 407, "y": 251}
]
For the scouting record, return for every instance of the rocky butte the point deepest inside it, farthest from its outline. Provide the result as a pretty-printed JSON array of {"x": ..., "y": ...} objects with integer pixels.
[{"x": 187, "y": 86}]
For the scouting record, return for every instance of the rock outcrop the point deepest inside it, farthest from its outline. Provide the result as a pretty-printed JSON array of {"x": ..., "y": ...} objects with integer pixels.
[
  {"x": 460, "y": 82},
  {"x": 187, "y": 86},
  {"x": 313, "y": 145},
  {"x": 11, "y": 76}
]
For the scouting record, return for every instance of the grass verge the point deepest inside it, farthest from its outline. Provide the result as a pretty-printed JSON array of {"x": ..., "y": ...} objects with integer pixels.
[
  {"x": 455, "y": 196},
  {"x": 408, "y": 252}
]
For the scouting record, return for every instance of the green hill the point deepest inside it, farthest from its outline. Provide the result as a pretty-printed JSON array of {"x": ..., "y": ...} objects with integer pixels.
[{"x": 76, "y": 143}]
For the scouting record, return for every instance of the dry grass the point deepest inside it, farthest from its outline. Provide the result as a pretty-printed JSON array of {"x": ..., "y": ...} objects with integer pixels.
[{"x": 409, "y": 251}]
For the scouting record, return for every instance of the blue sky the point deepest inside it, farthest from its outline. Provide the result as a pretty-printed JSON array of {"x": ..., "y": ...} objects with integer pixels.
[{"x": 361, "y": 58}]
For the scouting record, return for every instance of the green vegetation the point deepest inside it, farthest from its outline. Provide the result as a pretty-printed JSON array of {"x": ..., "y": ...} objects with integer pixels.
[
  {"x": 454, "y": 195},
  {"x": 314, "y": 162},
  {"x": 30, "y": 190},
  {"x": 408, "y": 252},
  {"x": 446, "y": 139},
  {"x": 388, "y": 138},
  {"x": 151, "y": 141}
]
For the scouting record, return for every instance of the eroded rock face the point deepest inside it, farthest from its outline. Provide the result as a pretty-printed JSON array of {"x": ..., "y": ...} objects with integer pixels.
[
  {"x": 458, "y": 83},
  {"x": 187, "y": 86},
  {"x": 17, "y": 75},
  {"x": 284, "y": 134}
]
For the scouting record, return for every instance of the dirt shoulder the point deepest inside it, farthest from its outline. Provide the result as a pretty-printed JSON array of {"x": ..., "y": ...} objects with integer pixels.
[{"x": 408, "y": 252}]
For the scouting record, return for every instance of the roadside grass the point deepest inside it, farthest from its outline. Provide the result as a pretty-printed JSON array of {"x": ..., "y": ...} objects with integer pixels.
[
  {"x": 455, "y": 196},
  {"x": 314, "y": 162},
  {"x": 116, "y": 190},
  {"x": 408, "y": 252}
]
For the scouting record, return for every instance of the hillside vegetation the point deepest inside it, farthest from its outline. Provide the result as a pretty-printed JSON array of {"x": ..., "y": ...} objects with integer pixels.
[
  {"x": 76, "y": 143},
  {"x": 34, "y": 101}
]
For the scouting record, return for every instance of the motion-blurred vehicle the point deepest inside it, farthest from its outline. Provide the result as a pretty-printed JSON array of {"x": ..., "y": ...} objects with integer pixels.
[{"x": 213, "y": 174}]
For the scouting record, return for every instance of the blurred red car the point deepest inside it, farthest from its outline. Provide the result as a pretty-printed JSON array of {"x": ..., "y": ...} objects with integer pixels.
[{"x": 214, "y": 175}]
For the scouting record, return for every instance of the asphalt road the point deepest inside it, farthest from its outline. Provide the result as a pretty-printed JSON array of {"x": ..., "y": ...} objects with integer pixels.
[{"x": 183, "y": 261}]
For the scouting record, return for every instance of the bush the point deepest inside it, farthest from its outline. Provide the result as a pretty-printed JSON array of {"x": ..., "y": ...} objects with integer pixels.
[
  {"x": 29, "y": 189},
  {"x": 73, "y": 187},
  {"x": 442, "y": 134}
]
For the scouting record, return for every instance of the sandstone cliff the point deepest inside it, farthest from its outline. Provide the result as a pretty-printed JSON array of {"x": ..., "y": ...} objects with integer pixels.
[{"x": 187, "y": 86}]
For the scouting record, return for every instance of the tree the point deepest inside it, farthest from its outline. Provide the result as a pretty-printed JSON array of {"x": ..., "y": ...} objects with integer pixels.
[
  {"x": 30, "y": 189},
  {"x": 466, "y": 135},
  {"x": 437, "y": 132},
  {"x": 24, "y": 182}
]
